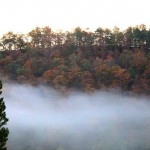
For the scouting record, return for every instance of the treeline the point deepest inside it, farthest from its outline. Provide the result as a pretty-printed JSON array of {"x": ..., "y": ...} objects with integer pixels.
[
  {"x": 80, "y": 59},
  {"x": 131, "y": 38}
]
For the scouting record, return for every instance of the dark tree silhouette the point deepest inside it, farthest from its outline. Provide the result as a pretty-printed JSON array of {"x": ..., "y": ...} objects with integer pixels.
[{"x": 3, "y": 121}]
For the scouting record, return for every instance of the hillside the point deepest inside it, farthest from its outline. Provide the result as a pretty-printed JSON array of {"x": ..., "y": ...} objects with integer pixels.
[{"x": 81, "y": 59}]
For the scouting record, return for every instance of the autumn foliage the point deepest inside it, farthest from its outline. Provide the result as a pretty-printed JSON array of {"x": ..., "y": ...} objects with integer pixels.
[{"x": 80, "y": 59}]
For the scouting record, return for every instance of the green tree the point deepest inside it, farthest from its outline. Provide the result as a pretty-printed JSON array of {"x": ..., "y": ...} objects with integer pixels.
[
  {"x": 100, "y": 37},
  {"x": 8, "y": 41},
  {"x": 3, "y": 120},
  {"x": 21, "y": 42},
  {"x": 125, "y": 59},
  {"x": 78, "y": 36}
]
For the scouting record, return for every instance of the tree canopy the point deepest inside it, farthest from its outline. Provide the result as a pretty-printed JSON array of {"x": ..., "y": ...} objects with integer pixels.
[
  {"x": 3, "y": 121},
  {"x": 79, "y": 59}
]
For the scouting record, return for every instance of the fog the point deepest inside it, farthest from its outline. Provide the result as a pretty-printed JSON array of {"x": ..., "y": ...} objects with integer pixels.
[{"x": 42, "y": 119}]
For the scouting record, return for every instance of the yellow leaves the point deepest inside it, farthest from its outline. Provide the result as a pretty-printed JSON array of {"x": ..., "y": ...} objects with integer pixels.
[
  {"x": 88, "y": 81},
  {"x": 60, "y": 80},
  {"x": 74, "y": 73},
  {"x": 87, "y": 78},
  {"x": 118, "y": 73},
  {"x": 88, "y": 88}
]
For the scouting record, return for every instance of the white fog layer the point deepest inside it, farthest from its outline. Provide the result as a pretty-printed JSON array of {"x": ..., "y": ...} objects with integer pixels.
[{"x": 42, "y": 119}]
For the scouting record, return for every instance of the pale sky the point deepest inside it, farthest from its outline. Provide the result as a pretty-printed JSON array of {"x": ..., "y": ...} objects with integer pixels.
[{"x": 25, "y": 15}]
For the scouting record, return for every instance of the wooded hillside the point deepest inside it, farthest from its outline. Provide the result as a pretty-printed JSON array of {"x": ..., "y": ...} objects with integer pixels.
[{"x": 80, "y": 59}]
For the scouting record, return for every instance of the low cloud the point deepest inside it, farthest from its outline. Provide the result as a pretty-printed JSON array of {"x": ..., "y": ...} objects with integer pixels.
[{"x": 42, "y": 119}]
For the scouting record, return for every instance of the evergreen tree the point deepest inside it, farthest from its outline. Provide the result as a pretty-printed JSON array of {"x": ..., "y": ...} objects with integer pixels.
[{"x": 3, "y": 121}]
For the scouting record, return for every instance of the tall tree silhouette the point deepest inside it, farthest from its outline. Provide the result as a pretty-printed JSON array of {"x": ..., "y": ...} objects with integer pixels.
[{"x": 3, "y": 121}]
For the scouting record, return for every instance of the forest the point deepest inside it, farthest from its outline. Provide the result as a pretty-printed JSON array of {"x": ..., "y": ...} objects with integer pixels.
[
  {"x": 62, "y": 88},
  {"x": 79, "y": 59}
]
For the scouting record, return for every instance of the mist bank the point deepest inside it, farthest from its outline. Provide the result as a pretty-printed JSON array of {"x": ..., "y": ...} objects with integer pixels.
[{"x": 42, "y": 118}]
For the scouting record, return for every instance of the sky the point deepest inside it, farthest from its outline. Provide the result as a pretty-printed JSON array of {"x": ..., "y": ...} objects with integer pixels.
[{"x": 21, "y": 16}]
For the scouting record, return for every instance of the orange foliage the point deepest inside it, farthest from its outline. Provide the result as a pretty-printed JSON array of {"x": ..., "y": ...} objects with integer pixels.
[
  {"x": 49, "y": 75},
  {"x": 139, "y": 59},
  {"x": 28, "y": 64},
  {"x": 121, "y": 78}
]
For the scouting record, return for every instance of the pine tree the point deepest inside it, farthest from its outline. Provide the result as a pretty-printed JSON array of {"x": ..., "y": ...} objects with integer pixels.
[{"x": 3, "y": 121}]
